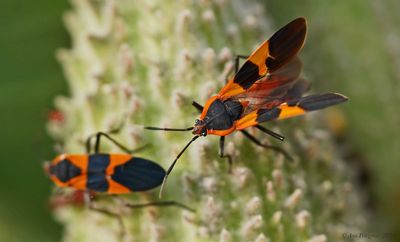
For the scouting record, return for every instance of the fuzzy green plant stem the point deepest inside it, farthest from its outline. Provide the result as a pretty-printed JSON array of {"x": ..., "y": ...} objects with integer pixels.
[{"x": 142, "y": 63}]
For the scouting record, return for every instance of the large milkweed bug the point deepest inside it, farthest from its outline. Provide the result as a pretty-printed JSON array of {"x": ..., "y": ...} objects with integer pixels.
[
  {"x": 267, "y": 87},
  {"x": 108, "y": 173}
]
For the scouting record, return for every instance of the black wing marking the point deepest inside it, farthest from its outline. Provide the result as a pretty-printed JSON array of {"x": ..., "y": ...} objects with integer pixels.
[
  {"x": 274, "y": 53},
  {"x": 300, "y": 106},
  {"x": 139, "y": 174}
]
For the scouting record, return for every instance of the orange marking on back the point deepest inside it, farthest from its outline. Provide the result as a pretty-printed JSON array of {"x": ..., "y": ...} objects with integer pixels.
[
  {"x": 288, "y": 112},
  {"x": 116, "y": 160},
  {"x": 78, "y": 182},
  {"x": 58, "y": 182},
  {"x": 116, "y": 188},
  {"x": 207, "y": 106},
  {"x": 58, "y": 159},
  {"x": 81, "y": 161}
]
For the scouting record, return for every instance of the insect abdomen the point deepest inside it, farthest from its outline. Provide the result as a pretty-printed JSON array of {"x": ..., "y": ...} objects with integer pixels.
[{"x": 139, "y": 174}]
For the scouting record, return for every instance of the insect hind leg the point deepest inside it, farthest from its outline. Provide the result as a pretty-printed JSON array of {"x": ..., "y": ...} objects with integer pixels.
[
  {"x": 108, "y": 213},
  {"x": 166, "y": 203},
  {"x": 237, "y": 61},
  {"x": 270, "y": 132},
  {"x": 272, "y": 147}
]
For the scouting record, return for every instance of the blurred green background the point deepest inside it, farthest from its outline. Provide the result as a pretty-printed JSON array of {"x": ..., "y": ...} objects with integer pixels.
[
  {"x": 353, "y": 47},
  {"x": 30, "y": 32}
]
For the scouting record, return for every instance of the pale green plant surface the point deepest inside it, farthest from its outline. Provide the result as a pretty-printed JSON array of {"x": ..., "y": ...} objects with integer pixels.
[{"x": 147, "y": 60}]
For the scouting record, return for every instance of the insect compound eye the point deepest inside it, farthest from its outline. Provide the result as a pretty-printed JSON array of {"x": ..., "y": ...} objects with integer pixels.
[
  {"x": 198, "y": 122},
  {"x": 204, "y": 132}
]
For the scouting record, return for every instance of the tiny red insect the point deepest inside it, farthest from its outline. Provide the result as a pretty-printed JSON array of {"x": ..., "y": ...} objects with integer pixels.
[
  {"x": 267, "y": 87},
  {"x": 56, "y": 116}
]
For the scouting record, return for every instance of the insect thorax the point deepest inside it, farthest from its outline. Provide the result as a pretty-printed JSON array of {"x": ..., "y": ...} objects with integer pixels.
[{"x": 221, "y": 115}]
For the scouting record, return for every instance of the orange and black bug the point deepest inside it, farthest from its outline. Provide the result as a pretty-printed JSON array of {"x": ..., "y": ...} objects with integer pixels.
[
  {"x": 108, "y": 173},
  {"x": 267, "y": 87}
]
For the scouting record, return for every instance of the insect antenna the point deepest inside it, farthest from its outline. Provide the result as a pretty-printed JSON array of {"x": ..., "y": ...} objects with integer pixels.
[
  {"x": 168, "y": 129},
  {"x": 174, "y": 162}
]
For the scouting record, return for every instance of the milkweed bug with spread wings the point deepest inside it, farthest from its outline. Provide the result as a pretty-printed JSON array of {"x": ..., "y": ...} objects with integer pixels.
[
  {"x": 267, "y": 87},
  {"x": 108, "y": 173}
]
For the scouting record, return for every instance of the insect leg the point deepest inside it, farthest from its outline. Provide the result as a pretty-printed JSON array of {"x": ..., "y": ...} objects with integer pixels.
[
  {"x": 222, "y": 155},
  {"x": 98, "y": 136},
  {"x": 88, "y": 143},
  {"x": 166, "y": 203},
  {"x": 112, "y": 131},
  {"x": 198, "y": 106},
  {"x": 92, "y": 207},
  {"x": 237, "y": 61},
  {"x": 257, "y": 142},
  {"x": 270, "y": 132}
]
